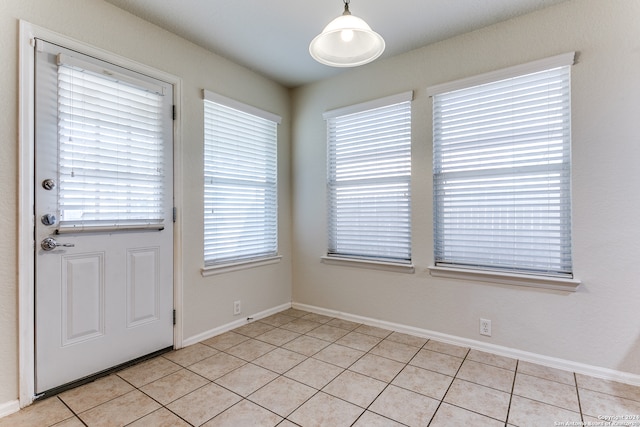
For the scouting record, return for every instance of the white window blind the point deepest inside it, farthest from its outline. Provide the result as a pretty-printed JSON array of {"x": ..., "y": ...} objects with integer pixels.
[
  {"x": 369, "y": 182},
  {"x": 501, "y": 170},
  {"x": 240, "y": 191},
  {"x": 110, "y": 150}
]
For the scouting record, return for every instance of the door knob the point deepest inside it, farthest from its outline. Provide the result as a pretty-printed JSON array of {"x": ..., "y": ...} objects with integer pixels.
[{"x": 49, "y": 244}]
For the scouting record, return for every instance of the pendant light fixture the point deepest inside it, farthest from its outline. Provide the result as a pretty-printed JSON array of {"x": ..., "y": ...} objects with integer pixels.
[{"x": 347, "y": 41}]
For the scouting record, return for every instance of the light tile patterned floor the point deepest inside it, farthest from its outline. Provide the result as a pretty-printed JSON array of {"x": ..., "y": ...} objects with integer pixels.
[{"x": 303, "y": 369}]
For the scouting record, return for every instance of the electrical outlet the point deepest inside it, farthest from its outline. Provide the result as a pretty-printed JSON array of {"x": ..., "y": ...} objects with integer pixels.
[
  {"x": 236, "y": 308},
  {"x": 485, "y": 327}
]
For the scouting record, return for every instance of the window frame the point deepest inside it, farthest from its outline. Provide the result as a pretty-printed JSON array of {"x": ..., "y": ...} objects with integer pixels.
[
  {"x": 493, "y": 275},
  {"x": 212, "y": 267},
  {"x": 363, "y": 260}
]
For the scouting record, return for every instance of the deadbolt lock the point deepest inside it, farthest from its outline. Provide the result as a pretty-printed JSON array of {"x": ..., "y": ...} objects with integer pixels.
[
  {"x": 48, "y": 184},
  {"x": 48, "y": 219}
]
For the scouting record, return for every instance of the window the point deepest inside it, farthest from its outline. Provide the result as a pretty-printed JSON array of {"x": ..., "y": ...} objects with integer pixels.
[
  {"x": 240, "y": 188},
  {"x": 111, "y": 147},
  {"x": 369, "y": 180},
  {"x": 501, "y": 171}
]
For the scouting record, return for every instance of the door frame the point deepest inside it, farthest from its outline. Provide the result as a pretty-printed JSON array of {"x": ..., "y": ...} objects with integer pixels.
[{"x": 26, "y": 197}]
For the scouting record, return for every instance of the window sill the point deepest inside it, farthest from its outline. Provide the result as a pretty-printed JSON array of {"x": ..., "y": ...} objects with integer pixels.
[
  {"x": 371, "y": 264},
  {"x": 240, "y": 265},
  {"x": 545, "y": 282}
]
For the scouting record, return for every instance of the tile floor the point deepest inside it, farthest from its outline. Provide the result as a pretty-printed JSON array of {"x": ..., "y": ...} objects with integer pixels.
[{"x": 297, "y": 368}]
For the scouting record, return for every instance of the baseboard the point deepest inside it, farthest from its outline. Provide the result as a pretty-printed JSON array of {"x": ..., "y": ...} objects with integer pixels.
[
  {"x": 552, "y": 362},
  {"x": 9, "y": 408},
  {"x": 232, "y": 325}
]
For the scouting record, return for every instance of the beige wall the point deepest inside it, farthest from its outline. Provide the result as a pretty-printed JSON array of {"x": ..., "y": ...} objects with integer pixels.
[
  {"x": 599, "y": 324},
  {"x": 208, "y": 302}
]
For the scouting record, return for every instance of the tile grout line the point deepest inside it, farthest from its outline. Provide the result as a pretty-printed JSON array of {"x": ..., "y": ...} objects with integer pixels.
[
  {"x": 475, "y": 383},
  {"x": 285, "y": 418},
  {"x": 388, "y": 383},
  {"x": 311, "y": 357},
  {"x": 165, "y": 406},
  {"x": 547, "y": 403},
  {"x": 75, "y": 415},
  {"x": 575, "y": 379},
  {"x": 204, "y": 385},
  {"x": 450, "y": 385},
  {"x": 335, "y": 342},
  {"x": 343, "y": 371},
  {"x": 513, "y": 387}
]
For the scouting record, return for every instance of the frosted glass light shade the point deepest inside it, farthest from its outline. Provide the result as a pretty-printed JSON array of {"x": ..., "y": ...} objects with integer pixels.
[{"x": 347, "y": 41}]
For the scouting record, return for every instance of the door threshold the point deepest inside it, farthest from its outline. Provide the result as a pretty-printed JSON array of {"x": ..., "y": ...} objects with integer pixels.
[{"x": 101, "y": 374}]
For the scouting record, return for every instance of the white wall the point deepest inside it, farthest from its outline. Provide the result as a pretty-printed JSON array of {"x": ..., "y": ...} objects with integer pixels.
[
  {"x": 598, "y": 325},
  {"x": 208, "y": 302}
]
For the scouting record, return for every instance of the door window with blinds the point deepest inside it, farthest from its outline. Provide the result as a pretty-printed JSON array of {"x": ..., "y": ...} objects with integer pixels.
[
  {"x": 111, "y": 147},
  {"x": 502, "y": 171},
  {"x": 240, "y": 182},
  {"x": 369, "y": 180}
]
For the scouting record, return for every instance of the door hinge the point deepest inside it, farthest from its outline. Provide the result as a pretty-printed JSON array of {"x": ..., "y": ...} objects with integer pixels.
[
  {"x": 174, "y": 112},
  {"x": 174, "y": 317},
  {"x": 175, "y": 213}
]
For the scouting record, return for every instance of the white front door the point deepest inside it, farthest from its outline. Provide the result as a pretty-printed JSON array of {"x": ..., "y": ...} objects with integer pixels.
[{"x": 103, "y": 216}]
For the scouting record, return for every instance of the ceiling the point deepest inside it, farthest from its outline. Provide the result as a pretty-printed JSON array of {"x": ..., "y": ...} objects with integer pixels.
[{"x": 272, "y": 36}]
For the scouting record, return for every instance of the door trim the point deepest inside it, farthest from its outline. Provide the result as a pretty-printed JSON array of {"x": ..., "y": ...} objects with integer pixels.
[{"x": 26, "y": 197}]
